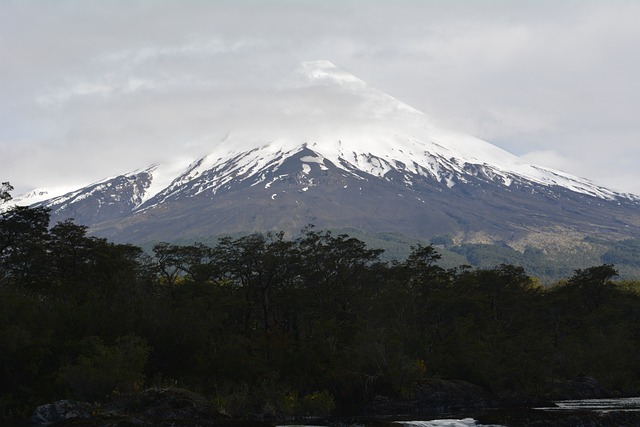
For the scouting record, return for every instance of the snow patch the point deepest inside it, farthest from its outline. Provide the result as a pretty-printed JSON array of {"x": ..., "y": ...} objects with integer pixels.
[
  {"x": 311, "y": 159},
  {"x": 449, "y": 182}
]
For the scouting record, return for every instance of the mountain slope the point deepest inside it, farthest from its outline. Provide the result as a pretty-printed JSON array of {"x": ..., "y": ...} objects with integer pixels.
[{"x": 342, "y": 154}]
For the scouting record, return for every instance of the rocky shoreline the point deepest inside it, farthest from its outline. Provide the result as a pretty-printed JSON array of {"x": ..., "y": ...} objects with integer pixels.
[{"x": 173, "y": 407}]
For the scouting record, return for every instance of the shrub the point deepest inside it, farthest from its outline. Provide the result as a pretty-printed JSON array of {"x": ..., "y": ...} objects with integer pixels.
[{"x": 102, "y": 370}]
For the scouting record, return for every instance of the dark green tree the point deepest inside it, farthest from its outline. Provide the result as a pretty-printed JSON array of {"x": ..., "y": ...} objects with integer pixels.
[
  {"x": 593, "y": 284},
  {"x": 23, "y": 238},
  {"x": 260, "y": 266},
  {"x": 503, "y": 288},
  {"x": 70, "y": 252},
  {"x": 5, "y": 189},
  {"x": 176, "y": 261}
]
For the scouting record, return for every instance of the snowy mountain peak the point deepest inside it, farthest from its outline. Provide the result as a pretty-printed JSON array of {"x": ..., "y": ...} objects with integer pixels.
[
  {"x": 336, "y": 151},
  {"x": 350, "y": 123},
  {"x": 34, "y": 196}
]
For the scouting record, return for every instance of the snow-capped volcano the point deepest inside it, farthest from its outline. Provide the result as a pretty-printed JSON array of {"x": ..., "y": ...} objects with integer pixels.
[{"x": 339, "y": 153}]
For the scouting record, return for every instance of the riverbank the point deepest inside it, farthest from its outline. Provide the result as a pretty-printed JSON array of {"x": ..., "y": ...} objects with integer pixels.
[{"x": 440, "y": 400}]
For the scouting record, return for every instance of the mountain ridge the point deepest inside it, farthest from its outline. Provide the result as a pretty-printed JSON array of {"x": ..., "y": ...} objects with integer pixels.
[{"x": 389, "y": 166}]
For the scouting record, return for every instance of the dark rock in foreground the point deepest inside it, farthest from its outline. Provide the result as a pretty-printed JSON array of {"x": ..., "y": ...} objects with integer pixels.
[
  {"x": 435, "y": 397},
  {"x": 431, "y": 399},
  {"x": 152, "y": 407},
  {"x": 582, "y": 387},
  {"x": 59, "y": 411}
]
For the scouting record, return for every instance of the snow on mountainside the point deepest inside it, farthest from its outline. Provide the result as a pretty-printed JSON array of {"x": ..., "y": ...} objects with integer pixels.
[
  {"x": 392, "y": 136},
  {"x": 380, "y": 153},
  {"x": 342, "y": 152},
  {"x": 35, "y": 196}
]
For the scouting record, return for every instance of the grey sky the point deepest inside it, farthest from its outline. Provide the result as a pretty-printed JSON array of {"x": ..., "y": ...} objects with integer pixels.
[{"x": 89, "y": 88}]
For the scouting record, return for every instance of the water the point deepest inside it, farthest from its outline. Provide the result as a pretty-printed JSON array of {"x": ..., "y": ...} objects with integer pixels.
[
  {"x": 597, "y": 405},
  {"x": 600, "y": 406},
  {"x": 465, "y": 422}
]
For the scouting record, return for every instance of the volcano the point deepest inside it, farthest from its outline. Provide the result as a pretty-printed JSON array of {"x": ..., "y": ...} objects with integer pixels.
[{"x": 339, "y": 154}]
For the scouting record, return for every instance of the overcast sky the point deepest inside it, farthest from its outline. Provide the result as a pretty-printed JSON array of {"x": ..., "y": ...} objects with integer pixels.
[{"x": 93, "y": 88}]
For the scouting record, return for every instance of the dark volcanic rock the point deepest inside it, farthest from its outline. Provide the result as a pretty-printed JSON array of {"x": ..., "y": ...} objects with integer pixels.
[
  {"x": 162, "y": 404},
  {"x": 582, "y": 387},
  {"x": 152, "y": 407},
  {"x": 435, "y": 397},
  {"x": 522, "y": 400},
  {"x": 61, "y": 410}
]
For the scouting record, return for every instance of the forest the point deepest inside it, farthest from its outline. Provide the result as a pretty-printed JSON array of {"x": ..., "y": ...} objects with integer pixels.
[{"x": 314, "y": 325}]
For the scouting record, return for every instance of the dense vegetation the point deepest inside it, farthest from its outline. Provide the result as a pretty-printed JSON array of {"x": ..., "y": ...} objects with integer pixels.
[
  {"x": 550, "y": 265},
  {"x": 319, "y": 324}
]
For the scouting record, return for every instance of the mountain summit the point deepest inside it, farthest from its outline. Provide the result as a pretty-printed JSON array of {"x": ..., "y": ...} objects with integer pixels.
[{"x": 338, "y": 153}]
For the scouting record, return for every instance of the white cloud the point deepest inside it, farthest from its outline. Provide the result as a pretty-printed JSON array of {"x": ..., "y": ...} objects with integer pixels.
[
  {"x": 89, "y": 85},
  {"x": 553, "y": 159}
]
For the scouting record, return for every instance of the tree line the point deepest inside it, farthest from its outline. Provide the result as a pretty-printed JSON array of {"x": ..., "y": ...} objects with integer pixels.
[{"x": 317, "y": 324}]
